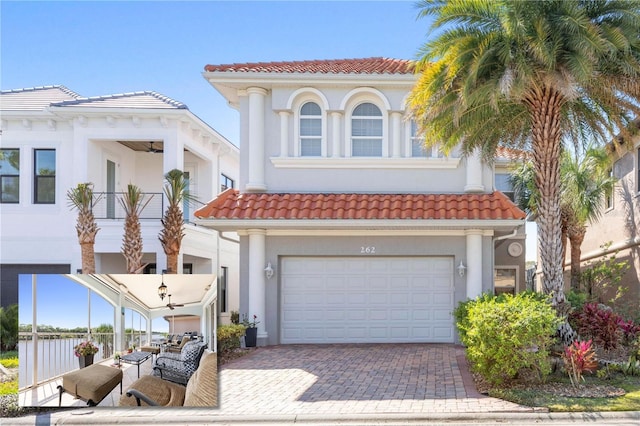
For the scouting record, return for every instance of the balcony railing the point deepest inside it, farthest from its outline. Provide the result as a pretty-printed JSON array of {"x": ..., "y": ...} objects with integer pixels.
[
  {"x": 137, "y": 338},
  {"x": 108, "y": 206},
  {"x": 55, "y": 354}
]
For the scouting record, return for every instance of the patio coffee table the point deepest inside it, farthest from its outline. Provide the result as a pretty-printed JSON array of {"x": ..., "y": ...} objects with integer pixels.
[{"x": 136, "y": 358}]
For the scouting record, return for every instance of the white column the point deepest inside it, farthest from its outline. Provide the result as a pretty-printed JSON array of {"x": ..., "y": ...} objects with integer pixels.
[
  {"x": 474, "y": 263},
  {"x": 119, "y": 325},
  {"x": 474, "y": 172},
  {"x": 284, "y": 133},
  {"x": 256, "y": 139},
  {"x": 335, "y": 134},
  {"x": 173, "y": 154},
  {"x": 396, "y": 119},
  {"x": 257, "y": 279}
]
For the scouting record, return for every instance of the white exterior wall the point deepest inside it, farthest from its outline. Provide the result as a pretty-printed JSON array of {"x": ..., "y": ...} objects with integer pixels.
[
  {"x": 84, "y": 141},
  {"x": 337, "y": 171}
]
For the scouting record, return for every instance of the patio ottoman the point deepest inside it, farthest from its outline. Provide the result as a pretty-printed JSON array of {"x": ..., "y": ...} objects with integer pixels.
[
  {"x": 155, "y": 350},
  {"x": 90, "y": 384}
]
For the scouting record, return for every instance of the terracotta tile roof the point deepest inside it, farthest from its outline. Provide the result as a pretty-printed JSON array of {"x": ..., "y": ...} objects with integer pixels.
[
  {"x": 334, "y": 66},
  {"x": 231, "y": 204},
  {"x": 507, "y": 153}
]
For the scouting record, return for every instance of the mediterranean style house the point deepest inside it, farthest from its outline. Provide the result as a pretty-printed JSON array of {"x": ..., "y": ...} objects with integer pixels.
[
  {"x": 52, "y": 139},
  {"x": 617, "y": 231},
  {"x": 351, "y": 231}
]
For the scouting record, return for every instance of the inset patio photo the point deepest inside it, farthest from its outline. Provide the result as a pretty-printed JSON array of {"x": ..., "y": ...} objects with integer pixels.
[{"x": 117, "y": 340}]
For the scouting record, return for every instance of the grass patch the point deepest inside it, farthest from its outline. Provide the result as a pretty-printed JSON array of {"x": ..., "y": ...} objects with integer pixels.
[{"x": 537, "y": 398}]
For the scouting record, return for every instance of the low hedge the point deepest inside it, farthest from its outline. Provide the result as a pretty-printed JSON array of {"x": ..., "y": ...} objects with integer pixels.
[{"x": 229, "y": 337}]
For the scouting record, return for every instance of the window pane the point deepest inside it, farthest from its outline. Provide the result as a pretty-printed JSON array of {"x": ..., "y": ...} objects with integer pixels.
[
  {"x": 367, "y": 148},
  {"x": 9, "y": 161},
  {"x": 366, "y": 127},
  {"x": 367, "y": 110},
  {"x": 45, "y": 189},
  {"x": 418, "y": 149},
  {"x": 45, "y": 162},
  {"x": 10, "y": 189},
  {"x": 310, "y": 147},
  {"x": 310, "y": 127},
  {"x": 503, "y": 182},
  {"x": 310, "y": 108}
]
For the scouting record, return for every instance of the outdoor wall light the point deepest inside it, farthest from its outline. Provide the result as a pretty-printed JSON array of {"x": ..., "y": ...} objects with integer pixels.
[
  {"x": 268, "y": 271},
  {"x": 162, "y": 290},
  {"x": 461, "y": 269}
]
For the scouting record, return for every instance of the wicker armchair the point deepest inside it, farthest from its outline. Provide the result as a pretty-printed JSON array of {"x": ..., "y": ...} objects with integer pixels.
[
  {"x": 178, "y": 348},
  {"x": 178, "y": 368},
  {"x": 201, "y": 389}
]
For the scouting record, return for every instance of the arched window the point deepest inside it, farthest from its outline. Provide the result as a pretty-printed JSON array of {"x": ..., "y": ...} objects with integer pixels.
[
  {"x": 366, "y": 131},
  {"x": 310, "y": 130}
]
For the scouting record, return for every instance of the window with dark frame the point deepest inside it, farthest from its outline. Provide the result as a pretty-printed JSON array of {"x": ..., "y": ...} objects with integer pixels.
[
  {"x": 44, "y": 176},
  {"x": 9, "y": 176},
  {"x": 226, "y": 182},
  {"x": 223, "y": 296}
]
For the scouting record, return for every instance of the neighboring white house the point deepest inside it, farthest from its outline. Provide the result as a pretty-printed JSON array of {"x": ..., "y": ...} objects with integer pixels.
[
  {"x": 52, "y": 139},
  {"x": 349, "y": 230}
]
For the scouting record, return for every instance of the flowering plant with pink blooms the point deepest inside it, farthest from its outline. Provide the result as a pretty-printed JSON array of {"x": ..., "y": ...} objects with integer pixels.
[
  {"x": 250, "y": 324},
  {"x": 85, "y": 348}
]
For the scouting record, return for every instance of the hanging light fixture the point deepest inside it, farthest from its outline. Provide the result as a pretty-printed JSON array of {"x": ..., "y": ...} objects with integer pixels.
[{"x": 162, "y": 290}]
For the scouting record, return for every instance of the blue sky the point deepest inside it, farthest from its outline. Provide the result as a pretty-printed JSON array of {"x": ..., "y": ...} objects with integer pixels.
[
  {"x": 107, "y": 47},
  {"x": 62, "y": 302}
]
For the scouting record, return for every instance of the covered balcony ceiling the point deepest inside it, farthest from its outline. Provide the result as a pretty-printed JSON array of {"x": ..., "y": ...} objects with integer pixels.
[
  {"x": 184, "y": 289},
  {"x": 142, "y": 146}
]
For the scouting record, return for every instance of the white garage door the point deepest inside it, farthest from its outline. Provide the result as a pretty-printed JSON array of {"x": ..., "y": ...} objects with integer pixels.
[{"x": 373, "y": 300}]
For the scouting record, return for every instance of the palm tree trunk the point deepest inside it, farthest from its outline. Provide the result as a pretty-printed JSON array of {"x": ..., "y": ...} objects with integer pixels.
[
  {"x": 172, "y": 264},
  {"x": 88, "y": 258},
  {"x": 575, "y": 238},
  {"x": 545, "y": 109}
]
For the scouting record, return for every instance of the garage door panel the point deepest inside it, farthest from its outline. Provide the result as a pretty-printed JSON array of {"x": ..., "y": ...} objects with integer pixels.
[{"x": 381, "y": 299}]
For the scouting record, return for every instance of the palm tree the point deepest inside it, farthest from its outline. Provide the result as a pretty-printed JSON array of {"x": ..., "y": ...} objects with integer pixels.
[
  {"x": 176, "y": 189},
  {"x": 133, "y": 202},
  {"x": 81, "y": 198},
  {"x": 530, "y": 75},
  {"x": 585, "y": 183}
]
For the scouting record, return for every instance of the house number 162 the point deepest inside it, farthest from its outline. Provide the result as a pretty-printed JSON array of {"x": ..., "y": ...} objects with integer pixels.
[{"x": 368, "y": 250}]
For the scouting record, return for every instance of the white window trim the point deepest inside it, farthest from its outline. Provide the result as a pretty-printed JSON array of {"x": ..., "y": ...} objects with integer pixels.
[
  {"x": 348, "y": 149},
  {"x": 294, "y": 105},
  {"x": 432, "y": 153},
  {"x": 297, "y": 149}
]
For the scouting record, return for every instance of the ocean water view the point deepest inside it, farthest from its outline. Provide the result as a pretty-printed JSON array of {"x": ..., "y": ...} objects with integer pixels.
[{"x": 55, "y": 353}]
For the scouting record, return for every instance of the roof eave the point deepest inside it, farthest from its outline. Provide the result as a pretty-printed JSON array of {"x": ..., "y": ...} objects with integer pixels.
[{"x": 390, "y": 224}]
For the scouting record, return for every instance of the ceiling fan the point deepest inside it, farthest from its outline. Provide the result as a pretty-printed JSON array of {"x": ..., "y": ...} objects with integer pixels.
[
  {"x": 153, "y": 150},
  {"x": 172, "y": 306}
]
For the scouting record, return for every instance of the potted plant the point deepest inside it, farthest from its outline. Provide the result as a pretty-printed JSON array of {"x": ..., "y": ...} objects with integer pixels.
[
  {"x": 85, "y": 352},
  {"x": 251, "y": 331},
  {"x": 116, "y": 358}
]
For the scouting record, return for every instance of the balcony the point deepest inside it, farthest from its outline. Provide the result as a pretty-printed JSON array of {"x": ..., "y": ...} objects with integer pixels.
[{"x": 108, "y": 206}]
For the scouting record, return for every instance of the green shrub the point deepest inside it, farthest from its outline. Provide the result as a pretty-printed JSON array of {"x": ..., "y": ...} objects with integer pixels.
[
  {"x": 506, "y": 334},
  {"x": 9, "y": 362},
  {"x": 9, "y": 388},
  {"x": 229, "y": 337}
]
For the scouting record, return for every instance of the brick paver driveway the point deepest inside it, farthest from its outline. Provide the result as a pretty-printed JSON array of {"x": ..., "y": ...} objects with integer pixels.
[{"x": 355, "y": 379}]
